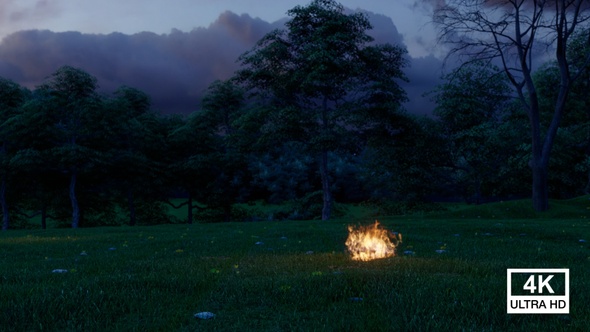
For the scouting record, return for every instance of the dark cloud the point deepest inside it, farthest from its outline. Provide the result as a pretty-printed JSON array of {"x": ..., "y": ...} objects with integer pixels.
[
  {"x": 428, "y": 5},
  {"x": 424, "y": 74},
  {"x": 175, "y": 68},
  {"x": 11, "y": 12},
  {"x": 384, "y": 30}
]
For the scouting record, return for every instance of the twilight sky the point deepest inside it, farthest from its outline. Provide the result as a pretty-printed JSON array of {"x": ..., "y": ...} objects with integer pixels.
[{"x": 173, "y": 49}]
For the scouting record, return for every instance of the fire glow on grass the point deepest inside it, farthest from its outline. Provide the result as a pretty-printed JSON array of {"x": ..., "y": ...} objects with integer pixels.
[{"x": 367, "y": 243}]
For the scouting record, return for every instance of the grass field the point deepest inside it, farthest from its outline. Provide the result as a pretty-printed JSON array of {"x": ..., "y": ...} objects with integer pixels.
[{"x": 295, "y": 275}]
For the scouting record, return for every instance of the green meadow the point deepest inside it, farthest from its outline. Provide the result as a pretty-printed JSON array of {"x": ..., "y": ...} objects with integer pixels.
[{"x": 449, "y": 274}]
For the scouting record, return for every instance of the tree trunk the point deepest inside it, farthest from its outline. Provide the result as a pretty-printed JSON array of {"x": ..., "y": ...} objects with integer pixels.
[
  {"x": 190, "y": 208},
  {"x": 478, "y": 192},
  {"x": 4, "y": 203},
  {"x": 227, "y": 212},
  {"x": 327, "y": 193},
  {"x": 541, "y": 154},
  {"x": 539, "y": 167},
  {"x": 74, "y": 201},
  {"x": 540, "y": 187},
  {"x": 541, "y": 148},
  {"x": 44, "y": 216},
  {"x": 131, "y": 204}
]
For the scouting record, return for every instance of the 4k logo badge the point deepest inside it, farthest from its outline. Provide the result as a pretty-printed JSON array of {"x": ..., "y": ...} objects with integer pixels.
[{"x": 537, "y": 291}]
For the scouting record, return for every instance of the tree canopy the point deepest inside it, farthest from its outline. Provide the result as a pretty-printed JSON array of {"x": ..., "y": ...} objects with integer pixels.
[
  {"x": 314, "y": 117},
  {"x": 324, "y": 83},
  {"x": 513, "y": 32}
]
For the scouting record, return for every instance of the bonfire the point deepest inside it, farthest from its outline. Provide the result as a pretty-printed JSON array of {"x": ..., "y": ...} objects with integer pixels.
[{"x": 371, "y": 242}]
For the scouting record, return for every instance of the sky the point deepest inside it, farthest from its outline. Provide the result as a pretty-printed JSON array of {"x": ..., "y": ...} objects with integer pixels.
[{"x": 173, "y": 49}]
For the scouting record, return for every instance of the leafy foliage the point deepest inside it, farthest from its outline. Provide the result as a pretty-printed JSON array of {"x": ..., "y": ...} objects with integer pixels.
[
  {"x": 313, "y": 117},
  {"x": 325, "y": 84},
  {"x": 475, "y": 112}
]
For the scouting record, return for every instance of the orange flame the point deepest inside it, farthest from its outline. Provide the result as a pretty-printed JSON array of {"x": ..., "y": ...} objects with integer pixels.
[{"x": 366, "y": 243}]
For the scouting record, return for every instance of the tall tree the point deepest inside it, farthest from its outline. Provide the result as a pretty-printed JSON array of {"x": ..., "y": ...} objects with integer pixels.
[
  {"x": 578, "y": 49},
  {"x": 12, "y": 96},
  {"x": 472, "y": 105},
  {"x": 223, "y": 107},
  {"x": 73, "y": 110},
  {"x": 132, "y": 169},
  {"x": 571, "y": 159},
  {"x": 37, "y": 177},
  {"x": 512, "y": 31},
  {"x": 322, "y": 80},
  {"x": 189, "y": 164}
]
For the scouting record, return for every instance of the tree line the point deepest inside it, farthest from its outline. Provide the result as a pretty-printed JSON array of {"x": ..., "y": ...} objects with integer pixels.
[{"x": 314, "y": 116}]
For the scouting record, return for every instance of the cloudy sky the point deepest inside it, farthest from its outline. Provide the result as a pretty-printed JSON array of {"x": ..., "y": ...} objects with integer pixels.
[{"x": 173, "y": 49}]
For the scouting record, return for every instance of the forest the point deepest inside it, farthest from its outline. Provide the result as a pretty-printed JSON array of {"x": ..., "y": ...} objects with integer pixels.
[{"x": 313, "y": 119}]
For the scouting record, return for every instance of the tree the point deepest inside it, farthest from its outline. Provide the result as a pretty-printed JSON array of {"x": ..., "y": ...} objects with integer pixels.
[
  {"x": 283, "y": 172},
  {"x": 223, "y": 108},
  {"x": 577, "y": 52},
  {"x": 37, "y": 179},
  {"x": 512, "y": 31},
  {"x": 189, "y": 164},
  {"x": 12, "y": 96},
  {"x": 73, "y": 112},
  {"x": 133, "y": 171},
  {"x": 570, "y": 161},
  {"x": 323, "y": 82},
  {"x": 408, "y": 166},
  {"x": 472, "y": 105}
]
